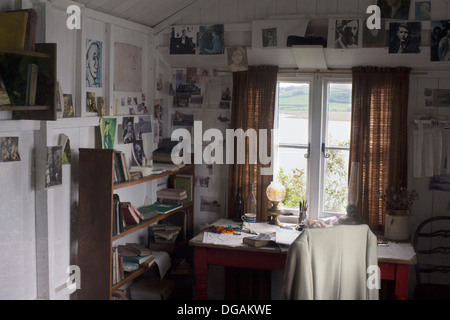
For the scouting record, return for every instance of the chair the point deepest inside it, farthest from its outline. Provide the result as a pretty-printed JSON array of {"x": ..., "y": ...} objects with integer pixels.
[
  {"x": 432, "y": 246},
  {"x": 331, "y": 264}
]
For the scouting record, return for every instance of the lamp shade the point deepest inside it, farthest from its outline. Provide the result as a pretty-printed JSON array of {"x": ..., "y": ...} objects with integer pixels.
[{"x": 275, "y": 191}]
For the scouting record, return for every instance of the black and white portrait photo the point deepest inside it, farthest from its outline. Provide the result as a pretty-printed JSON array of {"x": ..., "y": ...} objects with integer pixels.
[
  {"x": 394, "y": 9},
  {"x": 183, "y": 40},
  {"x": 347, "y": 34},
  {"x": 128, "y": 130},
  {"x": 53, "y": 175},
  {"x": 405, "y": 37},
  {"x": 440, "y": 40}
]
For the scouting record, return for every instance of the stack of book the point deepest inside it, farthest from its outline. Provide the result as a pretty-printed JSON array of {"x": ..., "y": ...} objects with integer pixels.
[
  {"x": 158, "y": 208},
  {"x": 128, "y": 258},
  {"x": 172, "y": 195},
  {"x": 125, "y": 214},
  {"x": 163, "y": 236}
]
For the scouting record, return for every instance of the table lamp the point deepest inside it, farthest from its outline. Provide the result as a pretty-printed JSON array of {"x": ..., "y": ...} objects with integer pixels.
[{"x": 275, "y": 192}]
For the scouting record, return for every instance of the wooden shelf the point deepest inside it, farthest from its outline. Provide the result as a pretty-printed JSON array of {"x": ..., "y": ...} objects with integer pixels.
[
  {"x": 95, "y": 221},
  {"x": 23, "y": 108},
  {"x": 25, "y": 53},
  {"x": 143, "y": 224}
]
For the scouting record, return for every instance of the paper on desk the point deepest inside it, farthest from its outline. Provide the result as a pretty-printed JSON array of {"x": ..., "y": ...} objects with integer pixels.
[
  {"x": 286, "y": 236},
  {"x": 225, "y": 239},
  {"x": 162, "y": 260},
  {"x": 400, "y": 251}
]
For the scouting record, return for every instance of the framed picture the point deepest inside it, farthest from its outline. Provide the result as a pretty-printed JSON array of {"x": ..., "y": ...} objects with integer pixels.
[{"x": 186, "y": 182}]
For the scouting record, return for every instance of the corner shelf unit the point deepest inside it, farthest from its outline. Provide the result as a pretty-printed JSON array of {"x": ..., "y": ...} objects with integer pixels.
[
  {"x": 13, "y": 70},
  {"x": 95, "y": 222}
]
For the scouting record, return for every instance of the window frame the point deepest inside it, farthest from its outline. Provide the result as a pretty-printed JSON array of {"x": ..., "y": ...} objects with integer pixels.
[{"x": 317, "y": 135}]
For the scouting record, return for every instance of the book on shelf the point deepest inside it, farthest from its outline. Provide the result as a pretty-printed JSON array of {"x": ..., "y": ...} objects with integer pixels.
[
  {"x": 171, "y": 193},
  {"x": 118, "y": 220},
  {"x": 13, "y": 26},
  {"x": 121, "y": 169},
  {"x": 166, "y": 166},
  {"x": 31, "y": 29},
  {"x": 30, "y": 95},
  {"x": 160, "y": 207},
  {"x": 138, "y": 259},
  {"x": 129, "y": 215},
  {"x": 118, "y": 266},
  {"x": 119, "y": 294},
  {"x": 185, "y": 182},
  {"x": 139, "y": 249}
]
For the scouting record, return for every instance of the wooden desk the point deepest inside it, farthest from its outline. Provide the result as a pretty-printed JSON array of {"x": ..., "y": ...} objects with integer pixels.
[{"x": 272, "y": 258}]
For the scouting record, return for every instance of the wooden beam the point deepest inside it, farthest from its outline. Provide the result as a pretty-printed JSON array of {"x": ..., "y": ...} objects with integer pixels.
[{"x": 180, "y": 14}]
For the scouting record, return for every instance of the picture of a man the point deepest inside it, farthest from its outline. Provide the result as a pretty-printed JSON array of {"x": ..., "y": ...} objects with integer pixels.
[
  {"x": 404, "y": 37},
  {"x": 93, "y": 64},
  {"x": 128, "y": 130},
  {"x": 346, "y": 34},
  {"x": 394, "y": 9}
]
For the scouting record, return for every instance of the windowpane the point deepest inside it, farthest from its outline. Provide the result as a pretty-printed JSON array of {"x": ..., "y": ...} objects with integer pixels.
[
  {"x": 292, "y": 173},
  {"x": 293, "y": 108},
  {"x": 336, "y": 180},
  {"x": 339, "y": 114}
]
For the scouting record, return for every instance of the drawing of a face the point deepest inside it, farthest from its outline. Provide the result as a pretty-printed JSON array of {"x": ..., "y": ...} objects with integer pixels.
[
  {"x": 92, "y": 62},
  {"x": 403, "y": 34},
  {"x": 237, "y": 56}
]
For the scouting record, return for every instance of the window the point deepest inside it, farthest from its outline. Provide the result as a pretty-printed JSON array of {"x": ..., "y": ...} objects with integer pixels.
[{"x": 311, "y": 145}]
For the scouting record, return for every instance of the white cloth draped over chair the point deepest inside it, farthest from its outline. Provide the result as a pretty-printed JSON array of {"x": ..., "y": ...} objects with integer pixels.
[{"x": 331, "y": 264}]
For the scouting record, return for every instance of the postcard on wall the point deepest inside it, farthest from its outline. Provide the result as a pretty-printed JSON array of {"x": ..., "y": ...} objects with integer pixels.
[
  {"x": 209, "y": 204},
  {"x": 10, "y": 149},
  {"x": 428, "y": 97},
  {"x": 183, "y": 39},
  {"x": 65, "y": 145},
  {"x": 93, "y": 63},
  {"x": 202, "y": 181},
  {"x": 68, "y": 106},
  {"x": 138, "y": 152},
  {"x": 91, "y": 104},
  {"x": 211, "y": 39},
  {"x": 127, "y": 67},
  {"x": 128, "y": 135},
  {"x": 143, "y": 125},
  {"x": 108, "y": 132},
  {"x": 423, "y": 10},
  {"x": 184, "y": 118},
  {"x": 347, "y": 34},
  {"x": 53, "y": 176},
  {"x": 398, "y": 9},
  {"x": 237, "y": 59},
  {"x": 158, "y": 109},
  {"x": 405, "y": 37},
  {"x": 441, "y": 98},
  {"x": 4, "y": 98},
  {"x": 440, "y": 42},
  {"x": 101, "y": 107}
]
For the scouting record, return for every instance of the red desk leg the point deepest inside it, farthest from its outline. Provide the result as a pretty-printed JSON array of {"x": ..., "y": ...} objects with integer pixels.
[
  {"x": 201, "y": 273},
  {"x": 401, "y": 281}
]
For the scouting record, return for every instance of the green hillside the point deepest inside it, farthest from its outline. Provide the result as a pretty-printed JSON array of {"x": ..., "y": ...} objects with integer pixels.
[{"x": 296, "y": 98}]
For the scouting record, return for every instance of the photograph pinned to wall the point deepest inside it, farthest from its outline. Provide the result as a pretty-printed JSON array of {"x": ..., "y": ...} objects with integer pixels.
[
  {"x": 209, "y": 204},
  {"x": 4, "y": 98},
  {"x": 69, "y": 111},
  {"x": 405, "y": 37},
  {"x": 64, "y": 142},
  {"x": 108, "y": 132},
  {"x": 157, "y": 130},
  {"x": 10, "y": 149},
  {"x": 211, "y": 39},
  {"x": 138, "y": 152},
  {"x": 53, "y": 176},
  {"x": 181, "y": 100},
  {"x": 127, "y": 67},
  {"x": 183, "y": 39},
  {"x": 191, "y": 75},
  {"x": 158, "y": 109},
  {"x": 101, "y": 106},
  {"x": 440, "y": 40},
  {"x": 142, "y": 108},
  {"x": 237, "y": 59},
  {"x": 374, "y": 38},
  {"x": 428, "y": 97},
  {"x": 394, "y": 9},
  {"x": 184, "y": 118},
  {"x": 129, "y": 100},
  {"x": 441, "y": 98},
  {"x": 93, "y": 63},
  {"x": 196, "y": 101},
  {"x": 144, "y": 125},
  {"x": 202, "y": 182},
  {"x": 123, "y": 102},
  {"x": 269, "y": 37},
  {"x": 423, "y": 10},
  {"x": 91, "y": 105},
  {"x": 204, "y": 75},
  {"x": 224, "y": 117},
  {"x": 159, "y": 84},
  {"x": 346, "y": 34},
  {"x": 128, "y": 135},
  {"x": 218, "y": 89}
]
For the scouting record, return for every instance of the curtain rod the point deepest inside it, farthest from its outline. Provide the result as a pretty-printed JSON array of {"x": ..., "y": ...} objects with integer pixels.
[{"x": 318, "y": 72}]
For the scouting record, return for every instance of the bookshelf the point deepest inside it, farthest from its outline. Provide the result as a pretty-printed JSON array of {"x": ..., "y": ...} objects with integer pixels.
[
  {"x": 13, "y": 70},
  {"x": 95, "y": 222}
]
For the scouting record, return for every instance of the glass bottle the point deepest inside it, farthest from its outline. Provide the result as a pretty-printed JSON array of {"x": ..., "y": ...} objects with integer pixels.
[
  {"x": 238, "y": 206},
  {"x": 250, "y": 204}
]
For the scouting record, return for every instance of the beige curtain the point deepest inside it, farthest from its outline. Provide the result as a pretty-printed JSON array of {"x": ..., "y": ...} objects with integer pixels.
[
  {"x": 378, "y": 136},
  {"x": 253, "y": 107}
]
